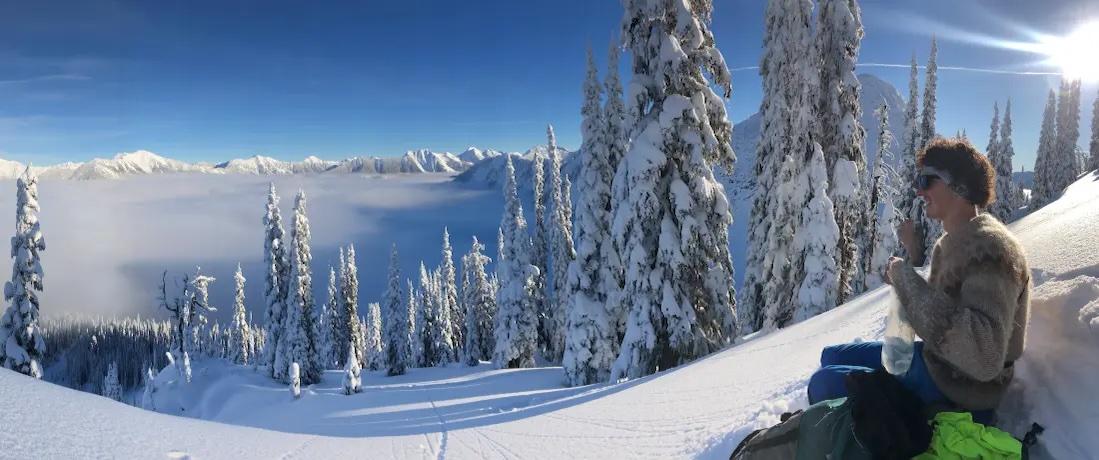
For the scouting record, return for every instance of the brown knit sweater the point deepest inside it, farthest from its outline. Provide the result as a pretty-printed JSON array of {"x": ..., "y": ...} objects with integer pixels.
[{"x": 971, "y": 312}]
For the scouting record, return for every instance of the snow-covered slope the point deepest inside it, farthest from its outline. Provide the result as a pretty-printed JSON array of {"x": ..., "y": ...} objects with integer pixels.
[{"x": 699, "y": 410}]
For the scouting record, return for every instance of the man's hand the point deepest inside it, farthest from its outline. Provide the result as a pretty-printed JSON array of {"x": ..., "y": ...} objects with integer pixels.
[
  {"x": 889, "y": 268},
  {"x": 907, "y": 233}
]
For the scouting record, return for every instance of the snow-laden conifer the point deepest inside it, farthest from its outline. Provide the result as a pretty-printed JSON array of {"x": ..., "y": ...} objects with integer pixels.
[
  {"x": 516, "y": 322},
  {"x": 1006, "y": 202},
  {"x": 772, "y": 273},
  {"x": 932, "y": 229},
  {"x": 840, "y": 134},
  {"x": 1093, "y": 160},
  {"x": 111, "y": 388},
  {"x": 883, "y": 216},
  {"x": 148, "y": 401},
  {"x": 416, "y": 320},
  {"x": 277, "y": 278},
  {"x": 353, "y": 329},
  {"x": 1044, "y": 164},
  {"x": 238, "y": 349},
  {"x": 817, "y": 236},
  {"x": 561, "y": 253},
  {"x": 299, "y": 346},
  {"x": 910, "y": 146},
  {"x": 395, "y": 317},
  {"x": 617, "y": 141},
  {"x": 21, "y": 342},
  {"x": 448, "y": 294},
  {"x": 295, "y": 380},
  {"x": 591, "y": 328},
  {"x": 674, "y": 219},
  {"x": 375, "y": 343},
  {"x": 480, "y": 302},
  {"x": 352, "y": 375},
  {"x": 1067, "y": 168},
  {"x": 539, "y": 247}
]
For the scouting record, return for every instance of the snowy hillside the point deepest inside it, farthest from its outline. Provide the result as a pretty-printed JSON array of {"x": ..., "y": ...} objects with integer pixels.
[
  {"x": 696, "y": 411},
  {"x": 143, "y": 162}
]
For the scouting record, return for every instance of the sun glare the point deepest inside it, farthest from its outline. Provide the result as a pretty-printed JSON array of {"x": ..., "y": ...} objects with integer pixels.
[{"x": 1078, "y": 53}]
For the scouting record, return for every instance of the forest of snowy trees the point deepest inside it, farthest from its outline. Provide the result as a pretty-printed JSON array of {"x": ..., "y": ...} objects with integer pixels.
[{"x": 637, "y": 278}]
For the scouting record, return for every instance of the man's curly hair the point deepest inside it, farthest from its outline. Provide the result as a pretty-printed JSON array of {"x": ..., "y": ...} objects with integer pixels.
[{"x": 972, "y": 175}]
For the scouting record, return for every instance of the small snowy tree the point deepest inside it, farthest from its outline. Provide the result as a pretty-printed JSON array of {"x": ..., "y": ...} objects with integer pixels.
[
  {"x": 375, "y": 344},
  {"x": 295, "y": 380},
  {"x": 562, "y": 253},
  {"x": 198, "y": 306},
  {"x": 591, "y": 327},
  {"x": 817, "y": 237},
  {"x": 300, "y": 346},
  {"x": 277, "y": 278},
  {"x": 21, "y": 342},
  {"x": 1044, "y": 191},
  {"x": 480, "y": 303},
  {"x": 352, "y": 374},
  {"x": 148, "y": 401},
  {"x": 396, "y": 320},
  {"x": 111, "y": 388},
  {"x": 238, "y": 349},
  {"x": 516, "y": 319}
]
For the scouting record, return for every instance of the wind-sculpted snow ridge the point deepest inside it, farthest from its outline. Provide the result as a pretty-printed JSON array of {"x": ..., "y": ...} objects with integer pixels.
[
  {"x": 143, "y": 162},
  {"x": 700, "y": 410}
]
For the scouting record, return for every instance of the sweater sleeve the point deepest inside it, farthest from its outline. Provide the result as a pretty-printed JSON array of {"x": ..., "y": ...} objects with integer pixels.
[{"x": 970, "y": 332}]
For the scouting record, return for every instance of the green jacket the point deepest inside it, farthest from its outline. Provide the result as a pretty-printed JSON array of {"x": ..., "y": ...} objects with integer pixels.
[{"x": 957, "y": 437}]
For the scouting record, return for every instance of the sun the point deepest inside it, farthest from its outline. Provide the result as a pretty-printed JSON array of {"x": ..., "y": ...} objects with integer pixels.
[{"x": 1078, "y": 53}]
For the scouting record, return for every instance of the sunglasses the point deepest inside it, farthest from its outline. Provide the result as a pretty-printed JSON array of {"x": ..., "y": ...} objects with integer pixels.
[{"x": 924, "y": 181}]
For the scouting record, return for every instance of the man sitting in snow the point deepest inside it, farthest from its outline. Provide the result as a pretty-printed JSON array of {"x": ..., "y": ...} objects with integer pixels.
[{"x": 972, "y": 310}]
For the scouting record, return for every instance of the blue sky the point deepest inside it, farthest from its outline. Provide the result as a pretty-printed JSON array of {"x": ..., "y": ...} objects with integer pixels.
[{"x": 209, "y": 81}]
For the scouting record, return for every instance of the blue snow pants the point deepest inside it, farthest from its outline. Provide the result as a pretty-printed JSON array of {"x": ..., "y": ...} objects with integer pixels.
[{"x": 836, "y": 361}]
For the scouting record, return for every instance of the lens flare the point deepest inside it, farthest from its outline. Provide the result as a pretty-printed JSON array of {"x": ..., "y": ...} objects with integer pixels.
[{"x": 1078, "y": 53}]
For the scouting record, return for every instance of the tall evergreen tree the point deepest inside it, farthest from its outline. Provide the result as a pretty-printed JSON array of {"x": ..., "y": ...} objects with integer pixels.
[
  {"x": 480, "y": 302},
  {"x": 539, "y": 253},
  {"x": 516, "y": 322},
  {"x": 674, "y": 219},
  {"x": 324, "y": 327},
  {"x": 448, "y": 294},
  {"x": 994, "y": 135},
  {"x": 1093, "y": 160},
  {"x": 617, "y": 140},
  {"x": 1067, "y": 168},
  {"x": 111, "y": 388},
  {"x": 353, "y": 330},
  {"x": 23, "y": 344},
  {"x": 277, "y": 272},
  {"x": 910, "y": 146},
  {"x": 786, "y": 145},
  {"x": 197, "y": 306},
  {"x": 562, "y": 253},
  {"x": 930, "y": 228},
  {"x": 415, "y": 319},
  {"x": 1044, "y": 191},
  {"x": 300, "y": 345},
  {"x": 396, "y": 320},
  {"x": 883, "y": 214},
  {"x": 238, "y": 349},
  {"x": 375, "y": 352},
  {"x": 1005, "y": 204},
  {"x": 841, "y": 135},
  {"x": 591, "y": 329}
]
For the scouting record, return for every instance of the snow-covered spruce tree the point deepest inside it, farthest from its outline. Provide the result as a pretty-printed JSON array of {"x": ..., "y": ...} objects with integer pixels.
[
  {"x": 516, "y": 322},
  {"x": 352, "y": 374},
  {"x": 416, "y": 320},
  {"x": 148, "y": 401},
  {"x": 329, "y": 323},
  {"x": 396, "y": 320},
  {"x": 448, "y": 294},
  {"x": 480, "y": 302},
  {"x": 910, "y": 146},
  {"x": 1066, "y": 168},
  {"x": 591, "y": 328},
  {"x": 841, "y": 135},
  {"x": 817, "y": 235},
  {"x": 426, "y": 320},
  {"x": 299, "y": 346},
  {"x": 277, "y": 271},
  {"x": 561, "y": 253},
  {"x": 617, "y": 141},
  {"x": 444, "y": 341},
  {"x": 375, "y": 344},
  {"x": 352, "y": 331},
  {"x": 21, "y": 342},
  {"x": 1043, "y": 192},
  {"x": 110, "y": 387},
  {"x": 1005, "y": 204},
  {"x": 786, "y": 145},
  {"x": 883, "y": 216},
  {"x": 994, "y": 135},
  {"x": 539, "y": 252},
  {"x": 932, "y": 229},
  {"x": 198, "y": 305},
  {"x": 674, "y": 221},
  {"x": 1093, "y": 160},
  {"x": 238, "y": 349}
]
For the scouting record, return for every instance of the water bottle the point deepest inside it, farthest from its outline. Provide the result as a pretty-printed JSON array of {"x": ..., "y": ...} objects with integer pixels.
[{"x": 897, "y": 344}]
